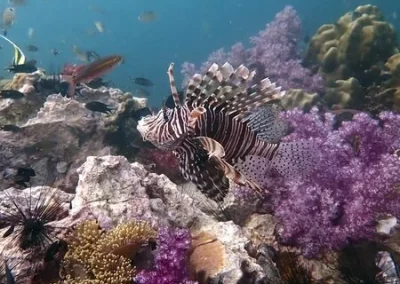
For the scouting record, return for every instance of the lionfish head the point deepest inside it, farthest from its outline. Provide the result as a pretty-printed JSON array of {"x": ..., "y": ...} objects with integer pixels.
[{"x": 166, "y": 129}]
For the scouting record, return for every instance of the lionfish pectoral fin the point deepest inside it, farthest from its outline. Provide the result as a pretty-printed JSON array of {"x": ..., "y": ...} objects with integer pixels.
[
  {"x": 268, "y": 125},
  {"x": 216, "y": 152},
  {"x": 207, "y": 174},
  {"x": 228, "y": 89},
  {"x": 213, "y": 147},
  {"x": 236, "y": 176},
  {"x": 254, "y": 167},
  {"x": 295, "y": 159}
]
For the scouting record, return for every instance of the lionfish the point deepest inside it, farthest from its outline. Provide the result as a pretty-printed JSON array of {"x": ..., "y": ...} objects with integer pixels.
[{"x": 219, "y": 132}]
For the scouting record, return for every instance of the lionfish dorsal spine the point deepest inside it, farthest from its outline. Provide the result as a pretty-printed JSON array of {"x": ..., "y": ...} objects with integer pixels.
[
  {"x": 172, "y": 84},
  {"x": 227, "y": 89}
]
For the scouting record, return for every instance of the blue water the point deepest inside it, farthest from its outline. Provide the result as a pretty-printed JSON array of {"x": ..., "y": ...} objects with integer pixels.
[{"x": 183, "y": 31}]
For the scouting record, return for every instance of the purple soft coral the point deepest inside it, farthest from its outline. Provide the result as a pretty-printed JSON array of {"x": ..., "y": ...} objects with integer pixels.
[
  {"x": 273, "y": 54},
  {"x": 170, "y": 260},
  {"x": 354, "y": 183}
]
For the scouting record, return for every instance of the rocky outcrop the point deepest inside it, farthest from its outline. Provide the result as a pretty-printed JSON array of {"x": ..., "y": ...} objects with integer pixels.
[
  {"x": 113, "y": 191},
  {"x": 62, "y": 133}
]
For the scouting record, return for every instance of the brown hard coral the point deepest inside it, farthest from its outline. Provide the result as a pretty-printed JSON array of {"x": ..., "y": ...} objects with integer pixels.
[
  {"x": 299, "y": 98},
  {"x": 97, "y": 256},
  {"x": 23, "y": 82},
  {"x": 357, "y": 42},
  {"x": 207, "y": 257}
]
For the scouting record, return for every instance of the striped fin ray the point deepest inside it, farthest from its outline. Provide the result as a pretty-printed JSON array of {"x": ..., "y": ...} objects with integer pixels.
[
  {"x": 172, "y": 84},
  {"x": 268, "y": 125},
  {"x": 226, "y": 88},
  {"x": 197, "y": 167},
  {"x": 216, "y": 153},
  {"x": 200, "y": 86}
]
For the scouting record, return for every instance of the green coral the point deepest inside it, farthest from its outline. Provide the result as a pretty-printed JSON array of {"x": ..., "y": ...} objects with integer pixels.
[{"x": 97, "y": 256}]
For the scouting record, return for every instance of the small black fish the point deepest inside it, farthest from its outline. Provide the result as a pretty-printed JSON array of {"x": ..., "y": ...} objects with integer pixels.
[
  {"x": 98, "y": 82},
  {"x": 169, "y": 101},
  {"x": 11, "y": 94},
  {"x": 33, "y": 48},
  {"x": 10, "y": 128},
  {"x": 24, "y": 175},
  {"x": 28, "y": 67},
  {"x": 385, "y": 76},
  {"x": 54, "y": 249},
  {"x": 306, "y": 39},
  {"x": 99, "y": 107},
  {"x": 54, "y": 51},
  {"x": 142, "y": 81},
  {"x": 4, "y": 31},
  {"x": 141, "y": 113}
]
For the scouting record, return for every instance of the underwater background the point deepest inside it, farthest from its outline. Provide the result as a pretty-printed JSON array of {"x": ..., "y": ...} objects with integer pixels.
[
  {"x": 268, "y": 153},
  {"x": 182, "y": 31}
]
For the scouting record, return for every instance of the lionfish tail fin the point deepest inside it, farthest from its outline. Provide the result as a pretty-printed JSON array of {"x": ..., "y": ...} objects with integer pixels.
[
  {"x": 230, "y": 90},
  {"x": 295, "y": 159},
  {"x": 268, "y": 125},
  {"x": 197, "y": 167}
]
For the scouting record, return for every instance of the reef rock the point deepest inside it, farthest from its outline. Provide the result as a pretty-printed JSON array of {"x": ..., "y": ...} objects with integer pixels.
[
  {"x": 57, "y": 140},
  {"x": 112, "y": 190}
]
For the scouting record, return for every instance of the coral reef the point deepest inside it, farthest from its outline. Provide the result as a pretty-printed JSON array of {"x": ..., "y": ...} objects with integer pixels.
[
  {"x": 353, "y": 184},
  {"x": 273, "y": 54},
  {"x": 59, "y": 136},
  {"x": 299, "y": 98},
  {"x": 171, "y": 259},
  {"x": 104, "y": 256},
  {"x": 113, "y": 191},
  {"x": 207, "y": 256},
  {"x": 351, "y": 55},
  {"x": 23, "y": 82},
  {"x": 161, "y": 162},
  {"x": 356, "y": 44}
]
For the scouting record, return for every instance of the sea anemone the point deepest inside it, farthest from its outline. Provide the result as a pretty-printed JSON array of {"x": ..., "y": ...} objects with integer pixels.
[
  {"x": 126, "y": 239},
  {"x": 105, "y": 256}
]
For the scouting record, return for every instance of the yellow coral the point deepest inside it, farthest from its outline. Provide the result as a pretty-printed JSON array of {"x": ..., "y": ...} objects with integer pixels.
[
  {"x": 357, "y": 42},
  {"x": 95, "y": 256},
  {"x": 126, "y": 238}
]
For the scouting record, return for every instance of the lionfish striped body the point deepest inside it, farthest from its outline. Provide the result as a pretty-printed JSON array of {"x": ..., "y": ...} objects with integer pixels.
[{"x": 219, "y": 130}]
